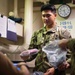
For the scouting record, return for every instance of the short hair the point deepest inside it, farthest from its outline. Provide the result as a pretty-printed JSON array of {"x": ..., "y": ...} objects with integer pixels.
[{"x": 48, "y": 7}]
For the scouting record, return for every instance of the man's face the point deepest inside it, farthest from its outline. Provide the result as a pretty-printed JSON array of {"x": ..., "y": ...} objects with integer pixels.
[{"x": 48, "y": 17}]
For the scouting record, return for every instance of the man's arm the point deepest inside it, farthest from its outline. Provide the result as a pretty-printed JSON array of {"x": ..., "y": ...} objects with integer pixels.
[
  {"x": 67, "y": 43},
  {"x": 63, "y": 44},
  {"x": 33, "y": 45}
]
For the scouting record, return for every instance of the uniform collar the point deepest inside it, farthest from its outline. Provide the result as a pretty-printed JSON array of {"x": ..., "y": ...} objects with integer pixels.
[{"x": 52, "y": 30}]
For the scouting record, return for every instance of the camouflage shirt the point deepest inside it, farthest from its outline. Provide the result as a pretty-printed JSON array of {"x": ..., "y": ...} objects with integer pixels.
[{"x": 41, "y": 38}]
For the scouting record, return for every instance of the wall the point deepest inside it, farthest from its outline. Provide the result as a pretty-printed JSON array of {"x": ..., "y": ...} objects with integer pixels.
[
  {"x": 37, "y": 20},
  {"x": 68, "y": 23},
  {"x": 3, "y": 7}
]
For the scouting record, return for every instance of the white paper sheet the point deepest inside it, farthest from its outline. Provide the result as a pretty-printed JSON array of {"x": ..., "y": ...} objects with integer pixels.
[
  {"x": 3, "y": 26},
  {"x": 11, "y": 25}
]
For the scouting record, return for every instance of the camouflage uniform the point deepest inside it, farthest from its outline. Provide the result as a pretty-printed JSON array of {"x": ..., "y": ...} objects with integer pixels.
[
  {"x": 41, "y": 38},
  {"x": 71, "y": 46}
]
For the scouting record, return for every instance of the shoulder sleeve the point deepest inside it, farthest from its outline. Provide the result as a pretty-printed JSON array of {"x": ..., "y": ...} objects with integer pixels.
[{"x": 64, "y": 33}]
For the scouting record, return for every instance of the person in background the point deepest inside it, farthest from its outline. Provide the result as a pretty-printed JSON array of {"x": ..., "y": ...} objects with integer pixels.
[{"x": 49, "y": 32}]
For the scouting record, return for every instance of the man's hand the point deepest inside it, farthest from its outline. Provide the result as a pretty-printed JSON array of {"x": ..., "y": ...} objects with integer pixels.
[
  {"x": 63, "y": 43},
  {"x": 25, "y": 57},
  {"x": 63, "y": 66},
  {"x": 50, "y": 71}
]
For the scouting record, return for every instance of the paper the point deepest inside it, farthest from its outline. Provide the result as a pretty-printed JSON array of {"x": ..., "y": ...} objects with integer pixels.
[
  {"x": 11, "y": 26},
  {"x": 3, "y": 26},
  {"x": 11, "y": 30}
]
